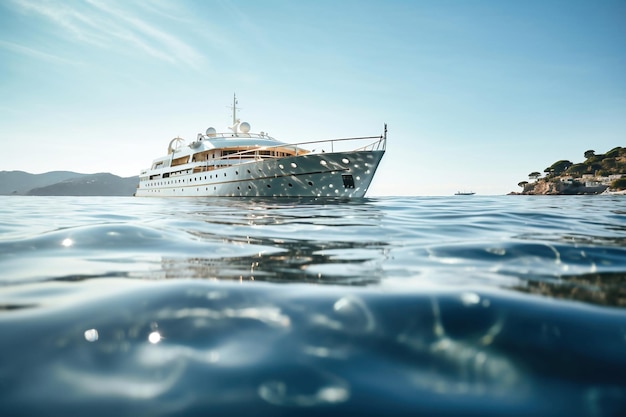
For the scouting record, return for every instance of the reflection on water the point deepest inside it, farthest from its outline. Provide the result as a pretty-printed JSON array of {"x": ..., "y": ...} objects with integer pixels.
[
  {"x": 348, "y": 263},
  {"x": 605, "y": 289},
  {"x": 284, "y": 232}
]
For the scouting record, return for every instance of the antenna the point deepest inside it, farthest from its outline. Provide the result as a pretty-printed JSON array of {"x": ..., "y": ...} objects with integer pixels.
[{"x": 235, "y": 108}]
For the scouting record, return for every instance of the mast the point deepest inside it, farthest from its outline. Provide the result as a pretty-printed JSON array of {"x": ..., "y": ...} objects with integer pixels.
[
  {"x": 235, "y": 125},
  {"x": 234, "y": 109}
]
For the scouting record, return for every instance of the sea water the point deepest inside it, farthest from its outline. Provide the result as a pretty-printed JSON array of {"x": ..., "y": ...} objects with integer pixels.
[{"x": 461, "y": 305}]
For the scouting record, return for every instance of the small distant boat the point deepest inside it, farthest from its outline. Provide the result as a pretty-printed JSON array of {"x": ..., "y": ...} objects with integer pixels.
[
  {"x": 464, "y": 193},
  {"x": 244, "y": 164}
]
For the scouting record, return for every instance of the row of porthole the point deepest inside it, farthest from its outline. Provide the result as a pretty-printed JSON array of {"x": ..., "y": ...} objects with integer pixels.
[
  {"x": 190, "y": 179},
  {"x": 322, "y": 162},
  {"x": 281, "y": 166},
  {"x": 249, "y": 187},
  {"x": 197, "y": 178},
  {"x": 268, "y": 186}
]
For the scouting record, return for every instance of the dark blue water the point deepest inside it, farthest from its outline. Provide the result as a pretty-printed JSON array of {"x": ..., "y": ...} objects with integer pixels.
[{"x": 481, "y": 306}]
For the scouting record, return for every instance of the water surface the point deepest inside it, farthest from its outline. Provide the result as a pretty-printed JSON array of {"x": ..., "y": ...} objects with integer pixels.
[{"x": 463, "y": 305}]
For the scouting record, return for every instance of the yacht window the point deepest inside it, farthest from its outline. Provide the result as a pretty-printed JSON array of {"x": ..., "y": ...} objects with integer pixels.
[{"x": 348, "y": 181}]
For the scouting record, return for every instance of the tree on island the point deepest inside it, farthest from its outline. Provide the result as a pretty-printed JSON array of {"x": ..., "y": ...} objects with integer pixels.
[
  {"x": 560, "y": 167},
  {"x": 522, "y": 184},
  {"x": 589, "y": 153},
  {"x": 577, "y": 170},
  {"x": 534, "y": 175},
  {"x": 615, "y": 152}
]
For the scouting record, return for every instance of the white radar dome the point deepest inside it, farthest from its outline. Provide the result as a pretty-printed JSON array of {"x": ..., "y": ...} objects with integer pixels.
[
  {"x": 244, "y": 127},
  {"x": 211, "y": 132}
]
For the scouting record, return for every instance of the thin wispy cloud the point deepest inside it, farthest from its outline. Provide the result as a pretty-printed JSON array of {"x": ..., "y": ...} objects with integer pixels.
[
  {"x": 145, "y": 36},
  {"x": 34, "y": 53},
  {"x": 166, "y": 9},
  {"x": 107, "y": 26},
  {"x": 78, "y": 25}
]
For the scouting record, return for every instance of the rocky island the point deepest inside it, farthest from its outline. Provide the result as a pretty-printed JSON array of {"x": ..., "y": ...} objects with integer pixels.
[{"x": 599, "y": 173}]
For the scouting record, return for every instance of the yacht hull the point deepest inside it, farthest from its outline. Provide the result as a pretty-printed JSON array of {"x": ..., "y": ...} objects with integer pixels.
[{"x": 338, "y": 174}]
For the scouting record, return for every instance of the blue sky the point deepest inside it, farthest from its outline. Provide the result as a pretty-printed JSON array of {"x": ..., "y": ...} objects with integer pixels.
[{"x": 477, "y": 94}]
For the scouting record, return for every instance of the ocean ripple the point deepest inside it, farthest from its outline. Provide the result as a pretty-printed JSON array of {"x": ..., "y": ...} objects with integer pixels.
[{"x": 438, "y": 306}]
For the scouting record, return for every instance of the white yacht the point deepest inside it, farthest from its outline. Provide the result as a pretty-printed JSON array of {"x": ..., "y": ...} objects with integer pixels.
[{"x": 244, "y": 164}]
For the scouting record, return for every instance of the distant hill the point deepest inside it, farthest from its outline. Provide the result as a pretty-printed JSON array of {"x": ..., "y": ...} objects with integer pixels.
[
  {"x": 66, "y": 183},
  {"x": 20, "y": 182}
]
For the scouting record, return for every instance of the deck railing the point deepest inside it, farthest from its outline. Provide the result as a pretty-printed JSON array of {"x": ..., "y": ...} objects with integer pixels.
[{"x": 300, "y": 148}]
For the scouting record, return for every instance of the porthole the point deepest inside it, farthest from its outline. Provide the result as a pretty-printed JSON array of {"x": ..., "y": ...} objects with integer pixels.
[
  {"x": 248, "y": 171},
  {"x": 290, "y": 184},
  {"x": 322, "y": 162},
  {"x": 310, "y": 183},
  {"x": 330, "y": 186},
  {"x": 236, "y": 172},
  {"x": 249, "y": 187},
  {"x": 294, "y": 165},
  {"x": 345, "y": 160},
  {"x": 269, "y": 186},
  {"x": 238, "y": 188},
  {"x": 281, "y": 166},
  {"x": 224, "y": 174}
]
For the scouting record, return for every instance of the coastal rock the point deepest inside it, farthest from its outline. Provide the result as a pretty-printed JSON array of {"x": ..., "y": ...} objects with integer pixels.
[{"x": 543, "y": 187}]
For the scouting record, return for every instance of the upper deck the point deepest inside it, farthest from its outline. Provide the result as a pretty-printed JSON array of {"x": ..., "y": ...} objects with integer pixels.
[
  {"x": 208, "y": 153},
  {"x": 212, "y": 150}
]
